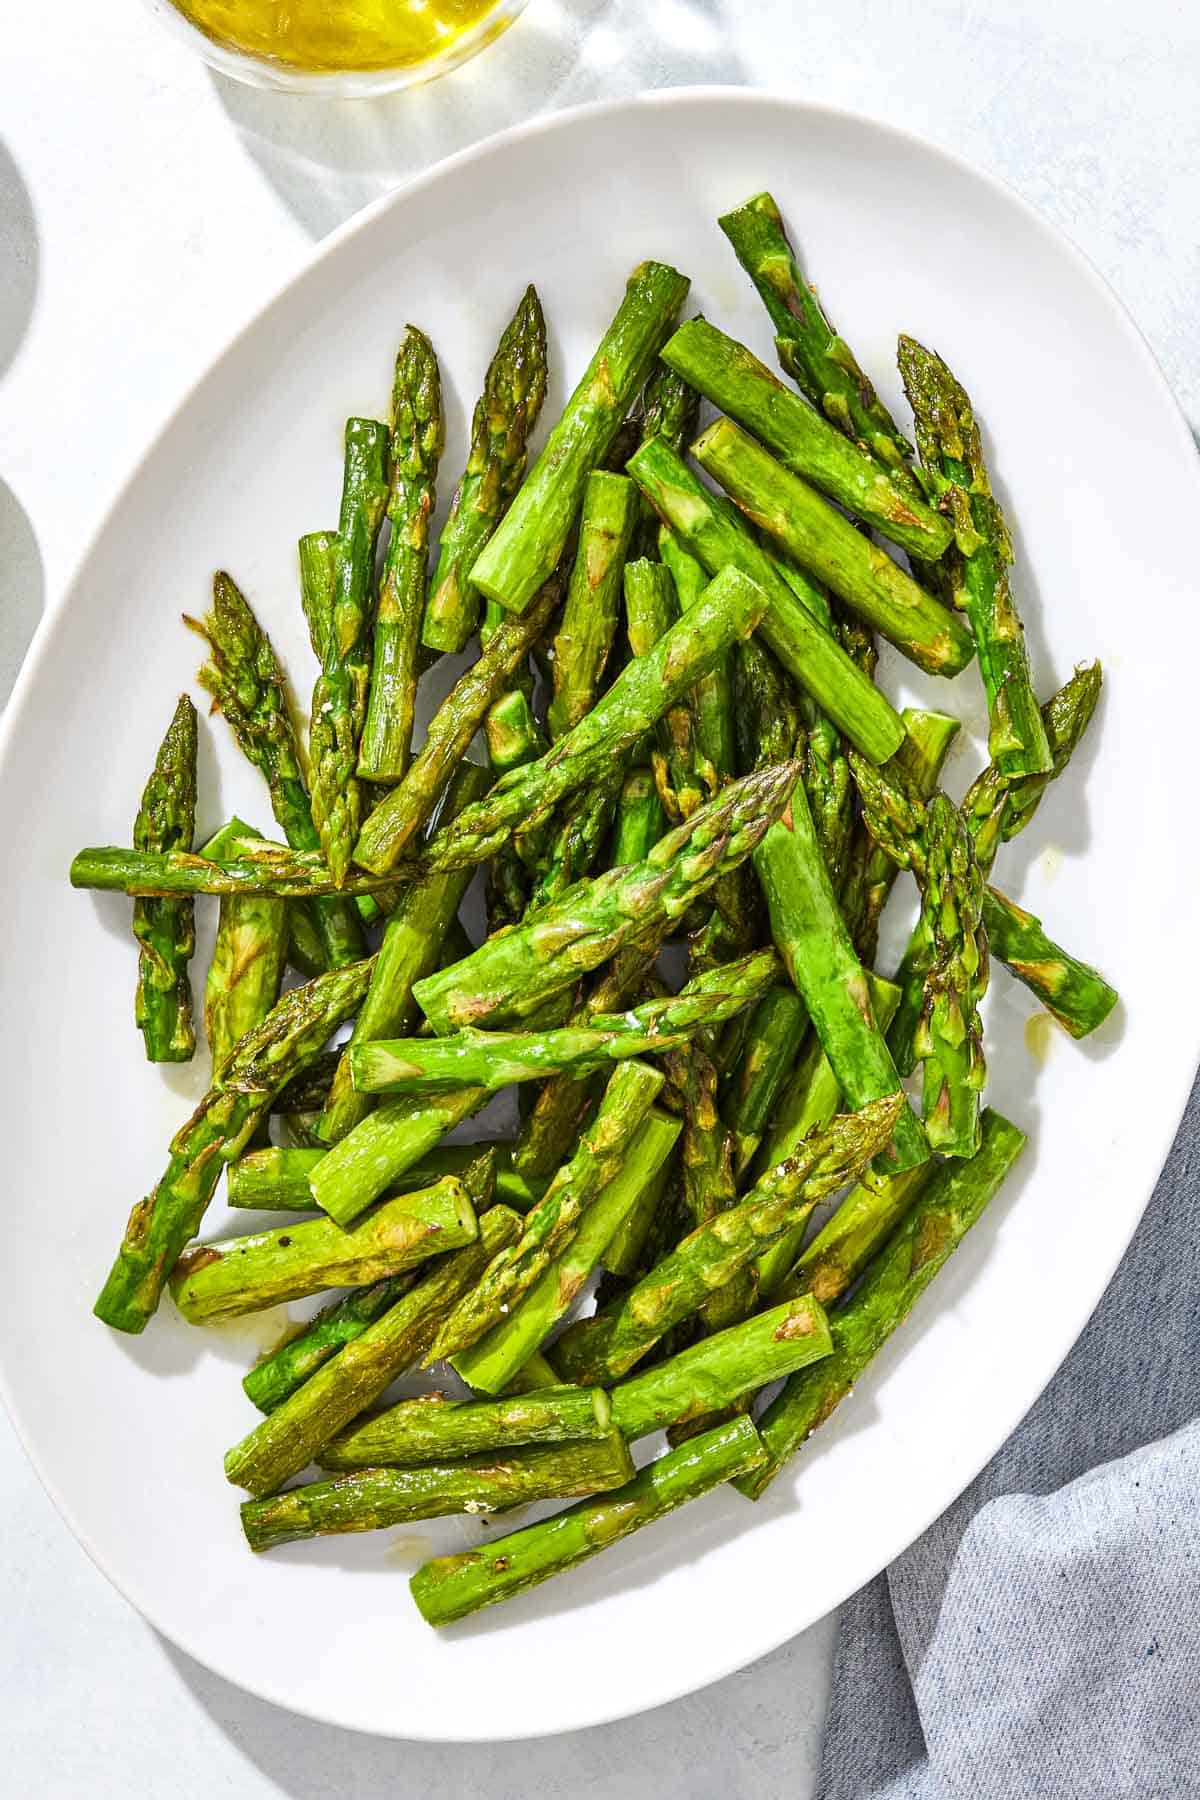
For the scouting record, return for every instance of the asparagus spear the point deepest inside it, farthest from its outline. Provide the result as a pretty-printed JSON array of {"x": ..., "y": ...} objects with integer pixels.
[
  {"x": 495, "y": 1059},
  {"x": 670, "y": 409},
  {"x": 514, "y": 736},
  {"x": 825, "y": 544},
  {"x": 685, "y": 779},
  {"x": 1076, "y": 994},
  {"x": 315, "y": 552},
  {"x": 870, "y": 874},
  {"x": 555, "y": 1220},
  {"x": 775, "y": 1031},
  {"x": 952, "y": 457},
  {"x": 247, "y": 960},
  {"x": 309, "y": 1090},
  {"x": 297, "y": 1431},
  {"x": 610, "y": 1344},
  {"x": 394, "y": 824},
  {"x": 637, "y": 699},
  {"x": 722, "y": 1369},
  {"x": 941, "y": 1218},
  {"x": 277, "y": 1376},
  {"x": 862, "y": 1224},
  {"x": 244, "y": 677},
  {"x": 818, "y": 360},
  {"x": 575, "y": 844},
  {"x": 997, "y": 806},
  {"x": 505, "y": 414},
  {"x": 565, "y": 1102},
  {"x": 650, "y": 1171},
  {"x": 370, "y": 1499},
  {"x": 640, "y": 820},
  {"x": 411, "y": 946},
  {"x": 811, "y": 936},
  {"x": 165, "y": 929},
  {"x": 711, "y": 530},
  {"x": 223, "y": 1123},
  {"x": 809, "y": 1101},
  {"x": 245, "y": 1274},
  {"x": 277, "y": 1180},
  {"x": 531, "y": 538},
  {"x": 414, "y": 452},
  {"x": 732, "y": 377},
  {"x": 583, "y": 643},
  {"x": 712, "y": 695},
  {"x": 535, "y": 1375},
  {"x": 381, "y": 1148},
  {"x": 510, "y": 976},
  {"x": 433, "y": 1429},
  {"x": 931, "y": 838},
  {"x": 252, "y": 866},
  {"x": 491, "y": 1363},
  {"x": 449, "y": 1587},
  {"x": 340, "y": 695}
]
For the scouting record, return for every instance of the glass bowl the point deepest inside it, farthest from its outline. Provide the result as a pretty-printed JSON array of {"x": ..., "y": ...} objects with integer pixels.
[{"x": 330, "y": 84}]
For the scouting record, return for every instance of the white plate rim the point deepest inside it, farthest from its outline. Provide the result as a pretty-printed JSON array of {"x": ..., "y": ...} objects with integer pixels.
[{"x": 1078, "y": 1315}]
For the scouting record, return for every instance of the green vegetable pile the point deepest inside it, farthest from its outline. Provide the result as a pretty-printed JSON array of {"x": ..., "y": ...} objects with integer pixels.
[{"x": 684, "y": 741}]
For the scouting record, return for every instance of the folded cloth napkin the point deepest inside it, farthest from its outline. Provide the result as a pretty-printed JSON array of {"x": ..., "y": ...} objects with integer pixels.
[{"x": 1043, "y": 1637}]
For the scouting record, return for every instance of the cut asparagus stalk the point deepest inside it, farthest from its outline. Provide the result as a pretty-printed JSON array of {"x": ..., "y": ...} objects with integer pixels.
[
  {"x": 165, "y": 929},
  {"x": 433, "y": 1429},
  {"x": 245, "y": 1274},
  {"x": 774, "y": 1033},
  {"x": 217, "y": 1132},
  {"x": 297, "y": 1431},
  {"x": 288, "y": 1367},
  {"x": 555, "y": 1220},
  {"x": 732, "y": 377},
  {"x": 248, "y": 957},
  {"x": 811, "y": 936},
  {"x": 824, "y": 543},
  {"x": 278, "y": 1180},
  {"x": 640, "y": 820},
  {"x": 941, "y": 1218},
  {"x": 492, "y": 1363},
  {"x": 720, "y": 1370},
  {"x": 450, "y": 1587},
  {"x": 415, "y": 449},
  {"x": 712, "y": 531},
  {"x": 588, "y": 626},
  {"x": 383, "y": 1147},
  {"x": 371, "y": 1499},
  {"x": 533, "y": 534}
]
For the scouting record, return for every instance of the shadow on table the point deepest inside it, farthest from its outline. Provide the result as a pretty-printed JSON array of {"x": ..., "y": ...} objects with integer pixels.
[
  {"x": 326, "y": 159},
  {"x": 18, "y": 235},
  {"x": 752, "y": 1735},
  {"x": 22, "y": 577}
]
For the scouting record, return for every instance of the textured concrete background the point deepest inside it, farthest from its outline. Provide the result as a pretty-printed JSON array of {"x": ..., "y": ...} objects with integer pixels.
[{"x": 145, "y": 207}]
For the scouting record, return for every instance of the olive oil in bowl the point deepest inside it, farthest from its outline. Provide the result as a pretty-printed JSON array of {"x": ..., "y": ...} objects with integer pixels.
[{"x": 347, "y": 37}]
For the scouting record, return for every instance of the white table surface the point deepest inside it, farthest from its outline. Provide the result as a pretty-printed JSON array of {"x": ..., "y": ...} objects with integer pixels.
[{"x": 146, "y": 206}]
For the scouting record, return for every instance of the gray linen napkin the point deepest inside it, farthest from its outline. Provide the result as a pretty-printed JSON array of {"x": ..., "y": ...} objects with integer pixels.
[{"x": 1043, "y": 1637}]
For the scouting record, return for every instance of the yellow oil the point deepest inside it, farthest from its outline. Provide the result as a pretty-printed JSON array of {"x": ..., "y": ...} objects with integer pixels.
[{"x": 334, "y": 35}]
